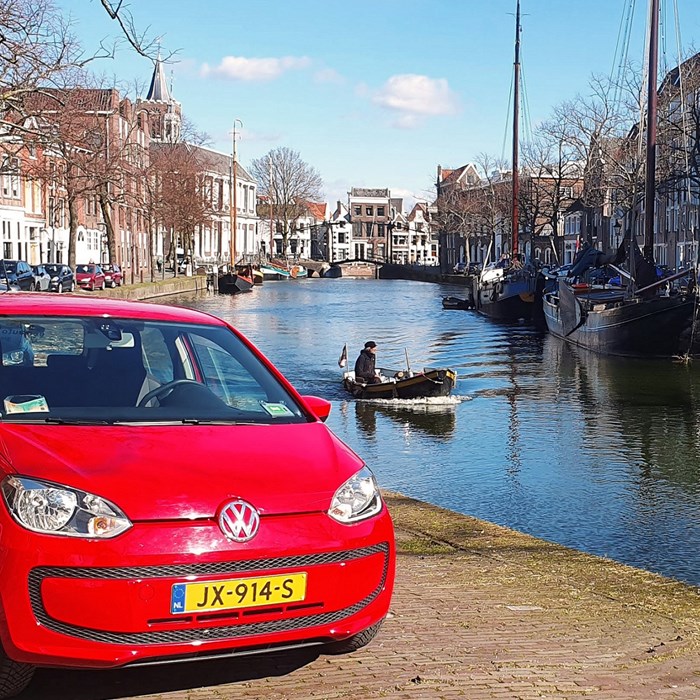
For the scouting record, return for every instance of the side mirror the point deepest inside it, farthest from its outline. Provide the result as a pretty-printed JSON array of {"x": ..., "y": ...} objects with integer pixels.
[{"x": 318, "y": 406}]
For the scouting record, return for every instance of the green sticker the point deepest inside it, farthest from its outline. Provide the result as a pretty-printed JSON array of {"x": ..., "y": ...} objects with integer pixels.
[{"x": 276, "y": 409}]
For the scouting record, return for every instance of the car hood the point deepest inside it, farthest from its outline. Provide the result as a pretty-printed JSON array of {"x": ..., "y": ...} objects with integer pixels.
[{"x": 185, "y": 472}]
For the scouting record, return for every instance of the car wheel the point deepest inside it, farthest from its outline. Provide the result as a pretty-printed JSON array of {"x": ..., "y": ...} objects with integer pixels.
[
  {"x": 112, "y": 284},
  {"x": 92, "y": 287},
  {"x": 14, "y": 677},
  {"x": 355, "y": 642},
  {"x": 59, "y": 289},
  {"x": 103, "y": 285},
  {"x": 72, "y": 286},
  {"x": 32, "y": 287}
]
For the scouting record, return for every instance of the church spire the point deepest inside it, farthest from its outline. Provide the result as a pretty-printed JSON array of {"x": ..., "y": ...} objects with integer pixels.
[{"x": 158, "y": 91}]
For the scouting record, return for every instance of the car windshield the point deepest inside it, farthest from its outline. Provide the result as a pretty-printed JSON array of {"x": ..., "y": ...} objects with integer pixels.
[
  {"x": 8, "y": 266},
  {"x": 84, "y": 268},
  {"x": 68, "y": 370},
  {"x": 52, "y": 269}
]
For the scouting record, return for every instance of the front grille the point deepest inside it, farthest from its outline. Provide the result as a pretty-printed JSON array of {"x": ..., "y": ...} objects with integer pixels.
[{"x": 242, "y": 629}]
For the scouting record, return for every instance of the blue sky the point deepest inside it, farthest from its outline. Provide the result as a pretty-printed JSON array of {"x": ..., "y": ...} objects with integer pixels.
[{"x": 373, "y": 93}]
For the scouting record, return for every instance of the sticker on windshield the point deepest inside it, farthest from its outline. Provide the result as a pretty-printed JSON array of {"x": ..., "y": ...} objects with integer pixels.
[
  {"x": 25, "y": 403},
  {"x": 276, "y": 410}
]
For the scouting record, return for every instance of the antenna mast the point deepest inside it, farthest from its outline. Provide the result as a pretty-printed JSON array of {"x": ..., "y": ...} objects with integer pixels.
[
  {"x": 234, "y": 207},
  {"x": 650, "y": 179},
  {"x": 516, "y": 119}
]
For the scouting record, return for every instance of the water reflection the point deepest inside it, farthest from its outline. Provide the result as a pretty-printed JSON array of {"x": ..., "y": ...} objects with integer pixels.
[{"x": 432, "y": 419}]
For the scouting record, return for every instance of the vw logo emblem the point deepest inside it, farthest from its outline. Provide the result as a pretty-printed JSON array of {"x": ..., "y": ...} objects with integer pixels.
[{"x": 239, "y": 521}]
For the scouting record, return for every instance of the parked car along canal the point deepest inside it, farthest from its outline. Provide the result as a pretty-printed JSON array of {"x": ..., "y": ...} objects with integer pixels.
[
  {"x": 62, "y": 278},
  {"x": 594, "y": 453},
  {"x": 260, "y": 530},
  {"x": 90, "y": 277}
]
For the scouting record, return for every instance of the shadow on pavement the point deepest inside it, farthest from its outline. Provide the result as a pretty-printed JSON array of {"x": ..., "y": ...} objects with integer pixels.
[{"x": 57, "y": 684}]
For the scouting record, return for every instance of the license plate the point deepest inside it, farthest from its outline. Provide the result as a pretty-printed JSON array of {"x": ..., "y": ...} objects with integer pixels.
[{"x": 237, "y": 593}]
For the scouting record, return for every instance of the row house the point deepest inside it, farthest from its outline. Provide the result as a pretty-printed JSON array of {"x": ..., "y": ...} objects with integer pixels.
[
  {"x": 371, "y": 216},
  {"x": 305, "y": 232},
  {"x": 474, "y": 218},
  {"x": 422, "y": 244},
  {"x": 63, "y": 159},
  {"x": 338, "y": 234},
  {"x": 227, "y": 209}
]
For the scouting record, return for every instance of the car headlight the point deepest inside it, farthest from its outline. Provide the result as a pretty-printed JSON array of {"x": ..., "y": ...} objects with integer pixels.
[
  {"x": 357, "y": 499},
  {"x": 60, "y": 510}
]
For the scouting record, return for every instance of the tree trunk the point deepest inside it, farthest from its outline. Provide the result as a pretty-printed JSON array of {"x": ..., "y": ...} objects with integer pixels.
[{"x": 72, "y": 231}]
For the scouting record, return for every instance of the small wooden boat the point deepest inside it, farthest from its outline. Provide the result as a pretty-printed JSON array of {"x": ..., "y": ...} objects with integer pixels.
[
  {"x": 273, "y": 272},
  {"x": 430, "y": 383},
  {"x": 457, "y": 303}
]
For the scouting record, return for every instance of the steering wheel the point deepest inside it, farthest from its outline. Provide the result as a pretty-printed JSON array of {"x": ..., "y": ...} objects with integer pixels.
[{"x": 162, "y": 390}]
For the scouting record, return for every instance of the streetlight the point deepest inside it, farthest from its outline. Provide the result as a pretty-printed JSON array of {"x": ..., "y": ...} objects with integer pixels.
[{"x": 617, "y": 227}]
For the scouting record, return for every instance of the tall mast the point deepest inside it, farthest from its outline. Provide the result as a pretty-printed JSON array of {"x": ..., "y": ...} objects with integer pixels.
[
  {"x": 272, "y": 235},
  {"x": 650, "y": 179},
  {"x": 234, "y": 207},
  {"x": 516, "y": 119}
]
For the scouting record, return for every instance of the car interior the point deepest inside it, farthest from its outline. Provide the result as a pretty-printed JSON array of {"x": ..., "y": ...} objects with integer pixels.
[{"x": 103, "y": 373}]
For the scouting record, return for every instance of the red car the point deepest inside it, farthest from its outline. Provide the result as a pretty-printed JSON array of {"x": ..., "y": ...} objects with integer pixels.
[
  {"x": 90, "y": 276},
  {"x": 113, "y": 275},
  {"x": 233, "y": 521}
]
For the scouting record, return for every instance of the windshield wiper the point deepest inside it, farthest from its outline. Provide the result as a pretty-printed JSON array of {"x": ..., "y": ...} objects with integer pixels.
[{"x": 74, "y": 421}]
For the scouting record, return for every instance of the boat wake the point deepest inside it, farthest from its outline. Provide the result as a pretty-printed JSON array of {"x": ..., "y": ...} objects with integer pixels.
[{"x": 425, "y": 404}]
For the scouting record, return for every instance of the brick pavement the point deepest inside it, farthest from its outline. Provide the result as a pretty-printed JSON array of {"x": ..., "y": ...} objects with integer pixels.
[{"x": 479, "y": 612}]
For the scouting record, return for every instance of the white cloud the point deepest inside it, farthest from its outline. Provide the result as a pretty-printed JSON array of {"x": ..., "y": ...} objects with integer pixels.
[
  {"x": 416, "y": 97},
  {"x": 328, "y": 75},
  {"x": 241, "y": 68}
]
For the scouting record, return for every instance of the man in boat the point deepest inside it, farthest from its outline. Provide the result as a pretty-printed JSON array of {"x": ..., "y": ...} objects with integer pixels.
[{"x": 364, "y": 365}]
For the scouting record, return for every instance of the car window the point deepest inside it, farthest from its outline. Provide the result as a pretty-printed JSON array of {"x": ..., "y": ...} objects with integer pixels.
[
  {"x": 122, "y": 370},
  {"x": 82, "y": 268},
  {"x": 227, "y": 378}
]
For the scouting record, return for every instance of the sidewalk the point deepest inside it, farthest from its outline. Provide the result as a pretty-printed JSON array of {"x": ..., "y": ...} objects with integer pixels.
[{"x": 479, "y": 612}]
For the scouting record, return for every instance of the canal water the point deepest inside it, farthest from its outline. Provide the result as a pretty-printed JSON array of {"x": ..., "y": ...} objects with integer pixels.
[{"x": 600, "y": 454}]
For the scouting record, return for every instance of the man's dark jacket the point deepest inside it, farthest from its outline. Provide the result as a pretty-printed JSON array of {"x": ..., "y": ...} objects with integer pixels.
[{"x": 364, "y": 366}]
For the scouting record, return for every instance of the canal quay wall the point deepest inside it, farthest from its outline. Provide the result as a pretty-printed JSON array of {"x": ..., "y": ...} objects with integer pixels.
[
  {"x": 479, "y": 612},
  {"x": 160, "y": 288}
]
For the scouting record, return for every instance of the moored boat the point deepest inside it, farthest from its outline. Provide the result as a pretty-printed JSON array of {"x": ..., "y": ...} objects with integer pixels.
[
  {"x": 643, "y": 317},
  {"x": 457, "y": 303},
  {"x": 430, "y": 383},
  {"x": 505, "y": 290},
  {"x": 273, "y": 272},
  {"x": 611, "y": 322},
  {"x": 297, "y": 272},
  {"x": 238, "y": 279}
]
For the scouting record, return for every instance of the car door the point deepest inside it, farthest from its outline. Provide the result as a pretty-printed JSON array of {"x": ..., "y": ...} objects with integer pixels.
[{"x": 25, "y": 276}]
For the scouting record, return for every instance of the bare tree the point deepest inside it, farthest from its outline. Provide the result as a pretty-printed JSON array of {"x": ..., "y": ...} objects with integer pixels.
[
  {"x": 552, "y": 179},
  {"x": 180, "y": 205},
  {"x": 72, "y": 134},
  {"x": 289, "y": 183}
]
